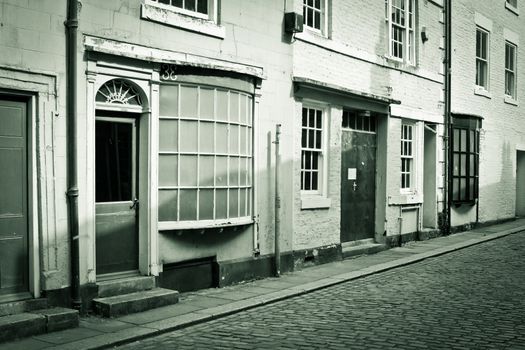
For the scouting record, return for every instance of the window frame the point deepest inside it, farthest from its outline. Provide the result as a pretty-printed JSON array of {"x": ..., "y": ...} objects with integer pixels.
[
  {"x": 210, "y": 16},
  {"x": 322, "y": 160},
  {"x": 323, "y": 17},
  {"x": 471, "y": 127},
  {"x": 480, "y": 59},
  {"x": 409, "y": 38},
  {"x": 513, "y": 71},
  {"x": 408, "y": 158},
  {"x": 512, "y": 7}
]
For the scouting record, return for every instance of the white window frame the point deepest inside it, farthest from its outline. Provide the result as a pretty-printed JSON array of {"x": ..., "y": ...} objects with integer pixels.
[
  {"x": 409, "y": 42},
  {"x": 323, "y": 16},
  {"x": 512, "y": 7},
  {"x": 483, "y": 60},
  {"x": 408, "y": 157},
  {"x": 511, "y": 70},
  {"x": 322, "y": 151},
  {"x": 211, "y": 16}
]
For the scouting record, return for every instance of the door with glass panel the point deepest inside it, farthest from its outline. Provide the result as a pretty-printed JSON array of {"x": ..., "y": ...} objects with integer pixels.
[{"x": 116, "y": 194}]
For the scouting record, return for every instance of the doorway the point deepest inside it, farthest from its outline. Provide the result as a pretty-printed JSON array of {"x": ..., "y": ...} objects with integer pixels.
[
  {"x": 358, "y": 175},
  {"x": 14, "y": 198},
  {"x": 429, "y": 177},
  {"x": 116, "y": 193},
  {"x": 520, "y": 183}
]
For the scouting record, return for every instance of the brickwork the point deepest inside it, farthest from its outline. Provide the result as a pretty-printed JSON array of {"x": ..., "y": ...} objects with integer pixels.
[{"x": 503, "y": 124}]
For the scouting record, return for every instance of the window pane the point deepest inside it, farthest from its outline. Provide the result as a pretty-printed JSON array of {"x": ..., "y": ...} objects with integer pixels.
[
  {"x": 234, "y": 171},
  {"x": 207, "y": 101},
  {"x": 455, "y": 140},
  {"x": 222, "y": 105},
  {"x": 168, "y": 131},
  {"x": 463, "y": 189},
  {"x": 221, "y": 203},
  {"x": 472, "y": 164},
  {"x": 234, "y": 107},
  {"x": 168, "y": 100},
  {"x": 310, "y": 17},
  {"x": 188, "y": 211},
  {"x": 222, "y": 138},
  {"x": 244, "y": 141},
  {"x": 303, "y": 138},
  {"x": 305, "y": 117},
  {"x": 206, "y": 137},
  {"x": 168, "y": 170},
  {"x": 456, "y": 165},
  {"x": 243, "y": 202},
  {"x": 206, "y": 204},
  {"x": 311, "y": 138},
  {"x": 188, "y": 102},
  {"x": 244, "y": 109},
  {"x": 206, "y": 167},
  {"x": 319, "y": 120},
  {"x": 244, "y": 169},
  {"x": 190, "y": 5},
  {"x": 315, "y": 185},
  {"x": 463, "y": 141},
  {"x": 317, "y": 20},
  {"x": 234, "y": 139},
  {"x": 307, "y": 181},
  {"x": 471, "y": 189},
  {"x": 221, "y": 175},
  {"x": 463, "y": 165},
  {"x": 202, "y": 6},
  {"x": 188, "y": 136},
  {"x": 318, "y": 139},
  {"x": 234, "y": 203},
  {"x": 455, "y": 189},
  {"x": 188, "y": 169},
  {"x": 168, "y": 205},
  {"x": 311, "y": 118}
]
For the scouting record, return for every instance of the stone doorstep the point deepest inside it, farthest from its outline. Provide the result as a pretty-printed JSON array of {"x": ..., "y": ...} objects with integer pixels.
[
  {"x": 362, "y": 249},
  {"x": 125, "y": 286},
  {"x": 37, "y": 322},
  {"x": 18, "y": 307},
  {"x": 135, "y": 302}
]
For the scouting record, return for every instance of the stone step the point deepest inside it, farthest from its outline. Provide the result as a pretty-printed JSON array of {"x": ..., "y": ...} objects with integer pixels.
[
  {"x": 135, "y": 302},
  {"x": 21, "y": 325},
  {"x": 18, "y": 307},
  {"x": 125, "y": 286},
  {"x": 362, "y": 249},
  {"x": 59, "y": 318}
]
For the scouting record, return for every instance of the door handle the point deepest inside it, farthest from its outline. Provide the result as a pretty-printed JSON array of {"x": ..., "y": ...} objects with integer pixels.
[
  {"x": 354, "y": 185},
  {"x": 135, "y": 204}
]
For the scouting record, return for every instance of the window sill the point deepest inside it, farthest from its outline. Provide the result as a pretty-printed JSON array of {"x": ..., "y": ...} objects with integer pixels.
[
  {"x": 203, "y": 224},
  {"x": 510, "y": 101},
  {"x": 315, "y": 202},
  {"x": 465, "y": 202},
  {"x": 480, "y": 91},
  {"x": 405, "y": 198},
  {"x": 165, "y": 16},
  {"x": 512, "y": 9}
]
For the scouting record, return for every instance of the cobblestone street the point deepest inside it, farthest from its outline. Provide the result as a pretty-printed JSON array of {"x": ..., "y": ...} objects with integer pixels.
[{"x": 470, "y": 299}]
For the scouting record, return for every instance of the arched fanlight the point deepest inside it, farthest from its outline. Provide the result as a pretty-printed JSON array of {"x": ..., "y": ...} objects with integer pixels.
[{"x": 119, "y": 92}]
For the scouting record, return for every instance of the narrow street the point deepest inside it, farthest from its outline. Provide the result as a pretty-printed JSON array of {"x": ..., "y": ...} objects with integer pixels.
[{"x": 470, "y": 299}]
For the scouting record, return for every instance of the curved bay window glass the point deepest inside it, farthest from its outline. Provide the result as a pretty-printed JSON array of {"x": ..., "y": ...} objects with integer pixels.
[
  {"x": 465, "y": 159},
  {"x": 205, "y": 156}
]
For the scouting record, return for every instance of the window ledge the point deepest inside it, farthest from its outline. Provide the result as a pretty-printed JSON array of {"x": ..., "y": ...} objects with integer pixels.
[
  {"x": 315, "y": 202},
  {"x": 510, "y": 101},
  {"x": 165, "y": 16},
  {"x": 405, "y": 198},
  {"x": 203, "y": 224},
  {"x": 512, "y": 9},
  {"x": 480, "y": 91}
]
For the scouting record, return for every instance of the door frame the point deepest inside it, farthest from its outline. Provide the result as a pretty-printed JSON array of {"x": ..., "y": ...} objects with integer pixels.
[{"x": 145, "y": 82}]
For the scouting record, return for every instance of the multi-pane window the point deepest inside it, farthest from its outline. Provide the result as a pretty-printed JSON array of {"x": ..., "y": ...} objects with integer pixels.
[
  {"x": 407, "y": 156},
  {"x": 361, "y": 121},
  {"x": 482, "y": 58},
  {"x": 465, "y": 153},
  {"x": 312, "y": 145},
  {"x": 313, "y": 13},
  {"x": 199, "y": 7},
  {"x": 510, "y": 70},
  {"x": 401, "y": 15},
  {"x": 205, "y": 154}
]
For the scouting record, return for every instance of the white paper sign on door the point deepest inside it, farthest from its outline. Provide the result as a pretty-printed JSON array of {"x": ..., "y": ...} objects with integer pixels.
[{"x": 352, "y": 173}]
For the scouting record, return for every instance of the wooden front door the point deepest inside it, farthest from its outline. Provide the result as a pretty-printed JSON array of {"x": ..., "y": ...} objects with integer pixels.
[
  {"x": 358, "y": 164},
  {"x": 116, "y": 195},
  {"x": 14, "y": 220}
]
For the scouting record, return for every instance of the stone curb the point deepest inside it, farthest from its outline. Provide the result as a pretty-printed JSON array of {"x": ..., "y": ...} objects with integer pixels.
[{"x": 104, "y": 341}]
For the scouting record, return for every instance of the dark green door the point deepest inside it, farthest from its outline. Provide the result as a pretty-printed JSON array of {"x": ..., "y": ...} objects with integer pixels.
[
  {"x": 116, "y": 195},
  {"x": 358, "y": 164},
  {"x": 14, "y": 228}
]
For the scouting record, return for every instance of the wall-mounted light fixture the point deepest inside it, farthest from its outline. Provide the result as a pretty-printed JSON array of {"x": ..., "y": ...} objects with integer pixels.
[{"x": 424, "y": 36}]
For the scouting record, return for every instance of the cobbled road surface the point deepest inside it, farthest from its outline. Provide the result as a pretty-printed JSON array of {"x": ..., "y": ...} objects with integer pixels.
[{"x": 469, "y": 299}]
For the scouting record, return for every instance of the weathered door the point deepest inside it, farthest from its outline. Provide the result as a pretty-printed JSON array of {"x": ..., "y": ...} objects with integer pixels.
[
  {"x": 14, "y": 227},
  {"x": 358, "y": 164},
  {"x": 116, "y": 195}
]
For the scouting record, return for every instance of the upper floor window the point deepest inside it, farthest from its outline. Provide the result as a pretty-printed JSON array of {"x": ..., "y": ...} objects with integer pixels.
[
  {"x": 401, "y": 16},
  {"x": 482, "y": 58},
  {"x": 513, "y": 3},
  {"x": 510, "y": 70},
  {"x": 314, "y": 12},
  {"x": 407, "y": 156},
  {"x": 197, "y": 8},
  {"x": 312, "y": 150}
]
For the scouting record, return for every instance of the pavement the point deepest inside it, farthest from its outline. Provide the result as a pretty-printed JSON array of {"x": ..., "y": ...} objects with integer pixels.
[{"x": 203, "y": 307}]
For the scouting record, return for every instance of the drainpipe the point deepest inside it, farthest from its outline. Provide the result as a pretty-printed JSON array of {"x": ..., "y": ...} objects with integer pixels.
[
  {"x": 72, "y": 181},
  {"x": 448, "y": 118},
  {"x": 277, "y": 203}
]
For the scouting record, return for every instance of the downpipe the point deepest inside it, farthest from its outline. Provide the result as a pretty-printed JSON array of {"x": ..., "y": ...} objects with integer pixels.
[
  {"x": 277, "y": 227},
  {"x": 72, "y": 171},
  {"x": 448, "y": 118}
]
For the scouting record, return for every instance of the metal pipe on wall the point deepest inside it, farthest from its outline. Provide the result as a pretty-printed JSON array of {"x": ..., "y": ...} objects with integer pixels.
[
  {"x": 448, "y": 118},
  {"x": 277, "y": 202},
  {"x": 72, "y": 171}
]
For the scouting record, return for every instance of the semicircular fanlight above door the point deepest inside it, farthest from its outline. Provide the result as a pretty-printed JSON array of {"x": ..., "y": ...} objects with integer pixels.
[{"x": 118, "y": 91}]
